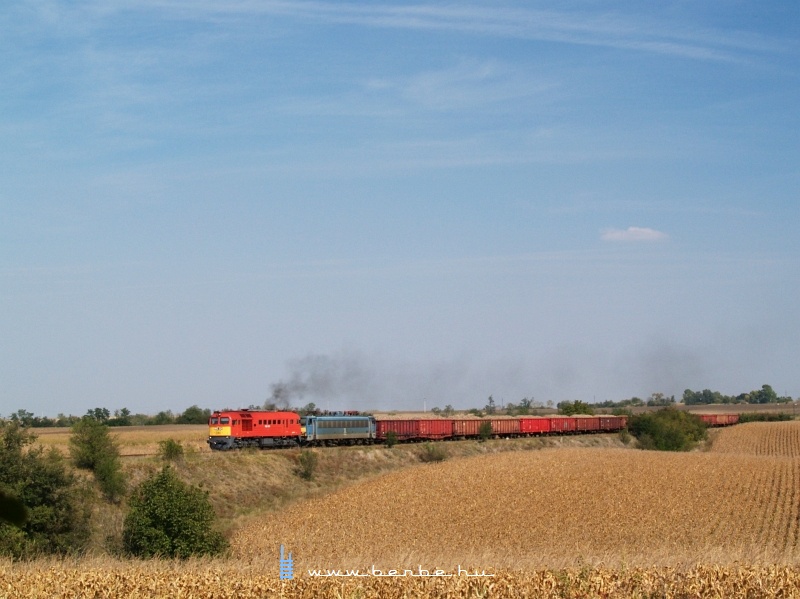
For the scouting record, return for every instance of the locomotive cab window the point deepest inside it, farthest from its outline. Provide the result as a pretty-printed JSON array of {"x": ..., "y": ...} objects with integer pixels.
[
  {"x": 215, "y": 421},
  {"x": 224, "y": 420}
]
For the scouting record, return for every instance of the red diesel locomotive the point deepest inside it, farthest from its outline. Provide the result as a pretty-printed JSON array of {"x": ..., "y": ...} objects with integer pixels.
[{"x": 243, "y": 428}]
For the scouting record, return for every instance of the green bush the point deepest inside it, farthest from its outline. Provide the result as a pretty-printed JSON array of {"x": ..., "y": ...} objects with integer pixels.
[
  {"x": 56, "y": 513},
  {"x": 169, "y": 518},
  {"x": 432, "y": 452},
  {"x": 92, "y": 448},
  {"x": 391, "y": 439},
  {"x": 570, "y": 408},
  {"x": 170, "y": 450},
  {"x": 764, "y": 417},
  {"x": 12, "y": 510},
  {"x": 485, "y": 430},
  {"x": 308, "y": 463},
  {"x": 667, "y": 430}
]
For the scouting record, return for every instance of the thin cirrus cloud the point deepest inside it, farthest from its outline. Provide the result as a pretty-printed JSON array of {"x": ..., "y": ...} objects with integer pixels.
[
  {"x": 633, "y": 234},
  {"x": 596, "y": 29}
]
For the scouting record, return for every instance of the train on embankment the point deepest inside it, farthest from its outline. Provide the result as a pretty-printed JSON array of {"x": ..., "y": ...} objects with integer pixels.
[{"x": 236, "y": 429}]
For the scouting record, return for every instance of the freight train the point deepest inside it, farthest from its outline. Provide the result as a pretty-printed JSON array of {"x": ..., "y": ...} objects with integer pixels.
[{"x": 234, "y": 429}]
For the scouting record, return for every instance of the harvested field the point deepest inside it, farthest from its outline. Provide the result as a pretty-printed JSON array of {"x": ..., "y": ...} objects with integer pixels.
[
  {"x": 580, "y": 517},
  {"x": 552, "y": 507},
  {"x": 772, "y": 439},
  {"x": 134, "y": 440},
  {"x": 234, "y": 580}
]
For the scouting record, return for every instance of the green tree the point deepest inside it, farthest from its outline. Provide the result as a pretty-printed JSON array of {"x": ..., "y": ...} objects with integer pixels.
[
  {"x": 764, "y": 395},
  {"x": 570, "y": 408},
  {"x": 194, "y": 415},
  {"x": 101, "y": 414},
  {"x": 660, "y": 400},
  {"x": 525, "y": 406},
  {"x": 92, "y": 448},
  {"x": 24, "y": 417},
  {"x": 309, "y": 408},
  {"x": 171, "y": 519},
  {"x": 57, "y": 516},
  {"x": 667, "y": 430},
  {"x": 121, "y": 418},
  {"x": 163, "y": 417}
]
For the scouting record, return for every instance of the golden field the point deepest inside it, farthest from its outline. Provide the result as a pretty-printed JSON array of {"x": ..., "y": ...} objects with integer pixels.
[
  {"x": 551, "y": 507},
  {"x": 135, "y": 440},
  {"x": 582, "y": 517},
  {"x": 102, "y": 579}
]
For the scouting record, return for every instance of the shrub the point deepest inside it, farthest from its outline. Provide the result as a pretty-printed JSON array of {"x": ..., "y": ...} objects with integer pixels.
[
  {"x": 485, "y": 430},
  {"x": 432, "y": 452},
  {"x": 170, "y": 450},
  {"x": 308, "y": 463},
  {"x": 169, "y": 518},
  {"x": 12, "y": 510},
  {"x": 194, "y": 415},
  {"x": 57, "y": 516},
  {"x": 764, "y": 417},
  {"x": 667, "y": 430},
  {"x": 92, "y": 448},
  {"x": 391, "y": 439},
  {"x": 570, "y": 408}
]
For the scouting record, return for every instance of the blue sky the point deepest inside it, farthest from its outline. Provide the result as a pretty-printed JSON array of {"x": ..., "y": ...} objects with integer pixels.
[{"x": 384, "y": 205}]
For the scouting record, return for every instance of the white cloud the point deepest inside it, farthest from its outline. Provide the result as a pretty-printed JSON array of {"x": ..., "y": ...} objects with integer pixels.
[{"x": 633, "y": 234}]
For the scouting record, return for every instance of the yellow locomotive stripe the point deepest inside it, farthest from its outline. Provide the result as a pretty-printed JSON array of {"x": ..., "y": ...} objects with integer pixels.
[{"x": 219, "y": 431}]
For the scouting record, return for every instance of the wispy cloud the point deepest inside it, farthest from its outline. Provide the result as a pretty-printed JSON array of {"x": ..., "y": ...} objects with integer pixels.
[
  {"x": 609, "y": 29},
  {"x": 467, "y": 84},
  {"x": 633, "y": 234}
]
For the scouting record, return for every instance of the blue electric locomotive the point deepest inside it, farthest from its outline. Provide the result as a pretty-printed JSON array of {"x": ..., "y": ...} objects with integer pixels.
[{"x": 338, "y": 430}]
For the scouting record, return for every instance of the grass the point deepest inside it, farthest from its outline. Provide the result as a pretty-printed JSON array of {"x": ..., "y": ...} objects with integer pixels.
[{"x": 550, "y": 517}]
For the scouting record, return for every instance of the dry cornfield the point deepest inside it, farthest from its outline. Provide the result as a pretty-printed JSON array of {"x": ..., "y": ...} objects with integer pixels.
[
  {"x": 552, "y": 507},
  {"x": 559, "y": 522},
  {"x": 771, "y": 439},
  {"x": 234, "y": 580}
]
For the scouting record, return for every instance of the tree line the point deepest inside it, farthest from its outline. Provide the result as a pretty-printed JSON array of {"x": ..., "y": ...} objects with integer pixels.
[
  {"x": 765, "y": 395},
  {"x": 191, "y": 415}
]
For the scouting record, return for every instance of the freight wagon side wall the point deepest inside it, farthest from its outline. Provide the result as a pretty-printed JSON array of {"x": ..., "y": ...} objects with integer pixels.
[
  {"x": 435, "y": 429},
  {"x": 466, "y": 428},
  {"x": 505, "y": 426},
  {"x": 404, "y": 429},
  {"x": 587, "y": 424},
  {"x": 562, "y": 424},
  {"x": 534, "y": 425}
]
